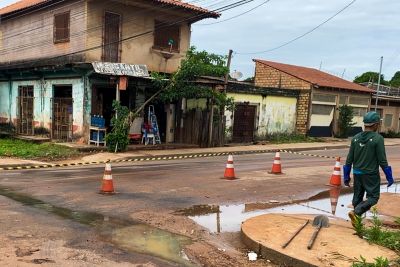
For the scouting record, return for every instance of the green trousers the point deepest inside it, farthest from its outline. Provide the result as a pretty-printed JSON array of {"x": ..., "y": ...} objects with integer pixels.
[{"x": 365, "y": 183}]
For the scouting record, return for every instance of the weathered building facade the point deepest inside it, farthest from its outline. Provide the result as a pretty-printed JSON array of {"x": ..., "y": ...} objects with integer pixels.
[
  {"x": 387, "y": 101},
  {"x": 259, "y": 112},
  {"x": 47, "y": 50},
  {"x": 320, "y": 96}
]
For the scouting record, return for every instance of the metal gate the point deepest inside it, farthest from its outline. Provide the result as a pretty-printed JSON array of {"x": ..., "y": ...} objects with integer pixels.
[
  {"x": 25, "y": 109},
  {"x": 62, "y": 119},
  {"x": 243, "y": 123}
]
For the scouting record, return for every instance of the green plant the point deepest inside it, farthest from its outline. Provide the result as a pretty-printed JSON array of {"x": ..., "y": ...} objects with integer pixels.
[
  {"x": 378, "y": 235},
  {"x": 391, "y": 134},
  {"x": 397, "y": 220},
  {"x": 359, "y": 226},
  {"x": 182, "y": 83},
  {"x": 28, "y": 150},
  {"x": 346, "y": 115},
  {"x": 287, "y": 138},
  {"x": 379, "y": 262},
  {"x": 117, "y": 139}
]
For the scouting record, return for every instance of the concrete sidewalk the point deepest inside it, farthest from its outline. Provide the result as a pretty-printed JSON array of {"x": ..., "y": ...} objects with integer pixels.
[{"x": 104, "y": 156}]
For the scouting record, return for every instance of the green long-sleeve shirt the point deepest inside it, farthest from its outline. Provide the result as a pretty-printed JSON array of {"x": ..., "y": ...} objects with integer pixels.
[{"x": 367, "y": 153}]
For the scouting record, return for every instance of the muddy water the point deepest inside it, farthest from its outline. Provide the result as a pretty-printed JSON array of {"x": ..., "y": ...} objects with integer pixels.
[
  {"x": 228, "y": 218},
  {"x": 126, "y": 234}
]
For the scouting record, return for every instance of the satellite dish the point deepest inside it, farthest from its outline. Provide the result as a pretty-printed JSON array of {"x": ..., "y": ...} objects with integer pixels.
[{"x": 236, "y": 75}]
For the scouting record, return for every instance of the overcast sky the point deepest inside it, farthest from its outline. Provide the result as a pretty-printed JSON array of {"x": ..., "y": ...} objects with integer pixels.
[{"x": 352, "y": 42}]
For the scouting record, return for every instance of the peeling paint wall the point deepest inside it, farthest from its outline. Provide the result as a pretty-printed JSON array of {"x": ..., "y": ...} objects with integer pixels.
[
  {"x": 274, "y": 114},
  {"x": 43, "y": 93}
]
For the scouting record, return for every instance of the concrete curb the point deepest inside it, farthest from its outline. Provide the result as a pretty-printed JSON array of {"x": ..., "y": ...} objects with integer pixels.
[{"x": 168, "y": 157}]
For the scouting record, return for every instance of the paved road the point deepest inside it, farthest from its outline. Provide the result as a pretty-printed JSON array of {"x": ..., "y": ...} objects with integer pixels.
[
  {"x": 160, "y": 188},
  {"x": 181, "y": 183}
]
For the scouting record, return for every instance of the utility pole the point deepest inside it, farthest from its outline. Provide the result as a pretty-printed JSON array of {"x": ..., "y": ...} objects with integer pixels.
[
  {"x": 228, "y": 65},
  {"x": 210, "y": 125},
  {"x": 343, "y": 73},
  {"x": 379, "y": 85}
]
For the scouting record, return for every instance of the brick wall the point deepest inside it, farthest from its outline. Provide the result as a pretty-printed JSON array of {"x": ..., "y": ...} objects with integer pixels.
[
  {"x": 266, "y": 76},
  {"x": 302, "y": 112},
  {"x": 270, "y": 77}
]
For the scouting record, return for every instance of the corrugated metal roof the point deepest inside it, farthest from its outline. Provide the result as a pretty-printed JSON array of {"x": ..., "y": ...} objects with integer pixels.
[{"x": 314, "y": 76}]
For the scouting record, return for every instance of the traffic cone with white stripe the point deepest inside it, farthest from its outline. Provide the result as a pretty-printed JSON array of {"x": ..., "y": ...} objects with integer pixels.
[
  {"x": 336, "y": 178},
  {"x": 276, "y": 166},
  {"x": 107, "y": 186},
  {"x": 230, "y": 169},
  {"x": 334, "y": 193}
]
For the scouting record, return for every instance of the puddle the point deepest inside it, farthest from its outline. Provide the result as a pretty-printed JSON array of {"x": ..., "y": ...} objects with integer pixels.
[
  {"x": 126, "y": 234},
  {"x": 228, "y": 218}
]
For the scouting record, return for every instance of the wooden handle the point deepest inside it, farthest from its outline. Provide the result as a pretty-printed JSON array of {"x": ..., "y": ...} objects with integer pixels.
[
  {"x": 313, "y": 237},
  {"x": 295, "y": 234}
]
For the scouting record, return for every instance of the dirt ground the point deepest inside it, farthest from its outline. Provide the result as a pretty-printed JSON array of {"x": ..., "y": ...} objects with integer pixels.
[{"x": 30, "y": 237}]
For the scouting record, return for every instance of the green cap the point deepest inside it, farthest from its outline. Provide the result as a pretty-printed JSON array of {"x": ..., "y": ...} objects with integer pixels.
[{"x": 371, "y": 118}]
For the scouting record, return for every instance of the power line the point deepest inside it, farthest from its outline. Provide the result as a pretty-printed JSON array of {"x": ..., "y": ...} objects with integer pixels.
[
  {"x": 236, "y": 16},
  {"x": 300, "y": 36},
  {"x": 221, "y": 9}
]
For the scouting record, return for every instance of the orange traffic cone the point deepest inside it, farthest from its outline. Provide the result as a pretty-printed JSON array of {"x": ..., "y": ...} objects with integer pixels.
[
  {"x": 334, "y": 193},
  {"x": 276, "y": 166},
  {"x": 107, "y": 186},
  {"x": 230, "y": 169},
  {"x": 336, "y": 179}
]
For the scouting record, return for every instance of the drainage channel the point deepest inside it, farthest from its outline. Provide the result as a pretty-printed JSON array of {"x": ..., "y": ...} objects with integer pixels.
[
  {"x": 228, "y": 218},
  {"x": 126, "y": 234}
]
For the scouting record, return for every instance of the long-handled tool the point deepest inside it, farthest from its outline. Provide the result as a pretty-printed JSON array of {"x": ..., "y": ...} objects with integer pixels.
[
  {"x": 319, "y": 222},
  {"x": 295, "y": 234}
]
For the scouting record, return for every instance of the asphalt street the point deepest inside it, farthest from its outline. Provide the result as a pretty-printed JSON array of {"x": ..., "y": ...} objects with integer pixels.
[
  {"x": 181, "y": 183},
  {"x": 153, "y": 191}
]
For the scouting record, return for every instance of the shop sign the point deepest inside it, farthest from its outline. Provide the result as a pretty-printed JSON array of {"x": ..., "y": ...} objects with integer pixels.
[{"x": 120, "y": 69}]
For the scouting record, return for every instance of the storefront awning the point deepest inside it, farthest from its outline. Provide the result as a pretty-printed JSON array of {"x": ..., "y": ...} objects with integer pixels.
[{"x": 120, "y": 69}]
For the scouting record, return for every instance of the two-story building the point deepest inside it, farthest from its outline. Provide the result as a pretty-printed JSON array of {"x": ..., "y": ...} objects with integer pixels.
[{"x": 61, "y": 61}]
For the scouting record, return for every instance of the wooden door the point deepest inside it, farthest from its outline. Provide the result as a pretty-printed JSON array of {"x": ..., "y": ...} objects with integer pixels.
[
  {"x": 243, "y": 123},
  {"x": 111, "y": 43}
]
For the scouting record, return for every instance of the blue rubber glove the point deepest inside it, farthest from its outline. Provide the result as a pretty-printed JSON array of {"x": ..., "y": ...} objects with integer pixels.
[
  {"x": 346, "y": 174},
  {"x": 389, "y": 175}
]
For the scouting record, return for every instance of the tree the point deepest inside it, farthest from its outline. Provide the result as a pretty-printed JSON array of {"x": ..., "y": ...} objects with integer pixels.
[
  {"x": 249, "y": 79},
  {"x": 117, "y": 139},
  {"x": 346, "y": 115},
  {"x": 395, "y": 81},
  {"x": 182, "y": 83},
  {"x": 370, "y": 76}
]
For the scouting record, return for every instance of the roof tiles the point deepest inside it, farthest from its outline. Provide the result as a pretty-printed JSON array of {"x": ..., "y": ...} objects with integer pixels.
[
  {"x": 23, "y": 4},
  {"x": 316, "y": 77}
]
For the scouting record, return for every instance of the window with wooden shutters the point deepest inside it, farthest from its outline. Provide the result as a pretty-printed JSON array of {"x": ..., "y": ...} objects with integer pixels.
[
  {"x": 166, "y": 37},
  {"x": 61, "y": 28}
]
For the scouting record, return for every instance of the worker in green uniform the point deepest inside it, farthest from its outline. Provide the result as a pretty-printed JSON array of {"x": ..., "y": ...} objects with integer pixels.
[{"x": 367, "y": 153}]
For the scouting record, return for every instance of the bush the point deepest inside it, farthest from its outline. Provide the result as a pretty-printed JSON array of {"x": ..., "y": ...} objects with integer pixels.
[
  {"x": 346, "y": 115},
  {"x": 391, "y": 134}
]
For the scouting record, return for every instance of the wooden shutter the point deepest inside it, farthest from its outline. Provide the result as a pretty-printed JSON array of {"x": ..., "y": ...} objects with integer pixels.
[{"x": 61, "y": 27}]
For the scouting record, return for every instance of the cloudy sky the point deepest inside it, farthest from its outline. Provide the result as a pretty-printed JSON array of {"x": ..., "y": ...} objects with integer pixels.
[{"x": 352, "y": 42}]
